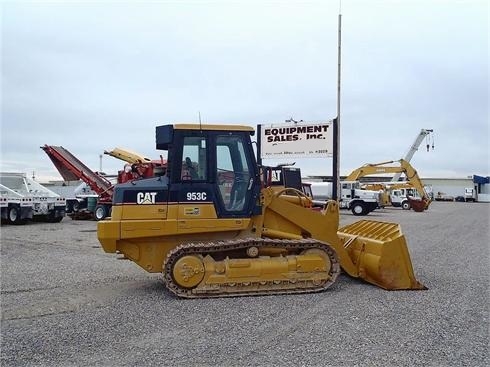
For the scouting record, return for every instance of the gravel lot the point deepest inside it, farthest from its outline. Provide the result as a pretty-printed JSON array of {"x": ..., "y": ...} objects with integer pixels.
[{"x": 64, "y": 302}]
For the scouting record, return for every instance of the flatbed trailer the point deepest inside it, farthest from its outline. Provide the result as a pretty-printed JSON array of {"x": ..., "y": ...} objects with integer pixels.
[
  {"x": 14, "y": 209},
  {"x": 25, "y": 199}
]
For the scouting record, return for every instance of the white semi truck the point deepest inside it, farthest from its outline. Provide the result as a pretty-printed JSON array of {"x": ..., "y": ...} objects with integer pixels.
[
  {"x": 43, "y": 204},
  {"x": 352, "y": 197}
]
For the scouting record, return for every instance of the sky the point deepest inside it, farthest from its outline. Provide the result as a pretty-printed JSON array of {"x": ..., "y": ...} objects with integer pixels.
[{"x": 95, "y": 75}]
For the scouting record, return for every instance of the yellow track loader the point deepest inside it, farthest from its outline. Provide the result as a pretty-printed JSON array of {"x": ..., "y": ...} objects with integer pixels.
[{"x": 214, "y": 227}]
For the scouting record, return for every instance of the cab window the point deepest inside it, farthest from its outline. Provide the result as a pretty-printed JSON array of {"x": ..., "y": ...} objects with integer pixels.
[{"x": 194, "y": 165}]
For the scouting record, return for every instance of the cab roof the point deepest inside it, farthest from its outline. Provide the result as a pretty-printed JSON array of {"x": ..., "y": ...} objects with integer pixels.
[
  {"x": 165, "y": 133},
  {"x": 220, "y": 127}
]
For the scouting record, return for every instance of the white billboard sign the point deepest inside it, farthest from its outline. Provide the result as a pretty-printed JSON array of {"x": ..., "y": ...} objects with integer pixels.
[{"x": 296, "y": 140}]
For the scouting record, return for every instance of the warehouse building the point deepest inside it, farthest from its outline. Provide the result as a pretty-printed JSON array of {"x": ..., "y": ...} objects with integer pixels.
[{"x": 447, "y": 188}]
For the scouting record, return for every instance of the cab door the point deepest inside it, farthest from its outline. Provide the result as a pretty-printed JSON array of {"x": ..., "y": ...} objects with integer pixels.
[{"x": 237, "y": 186}]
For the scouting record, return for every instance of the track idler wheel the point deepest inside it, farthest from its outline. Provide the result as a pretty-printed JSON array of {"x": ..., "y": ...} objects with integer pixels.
[{"x": 188, "y": 271}]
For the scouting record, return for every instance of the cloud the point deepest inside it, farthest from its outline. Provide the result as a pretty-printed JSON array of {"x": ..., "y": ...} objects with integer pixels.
[{"x": 93, "y": 76}]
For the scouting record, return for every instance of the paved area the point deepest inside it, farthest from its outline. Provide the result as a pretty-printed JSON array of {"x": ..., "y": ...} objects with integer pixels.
[{"x": 64, "y": 302}]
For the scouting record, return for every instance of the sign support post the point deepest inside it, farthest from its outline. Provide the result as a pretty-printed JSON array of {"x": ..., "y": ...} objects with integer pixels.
[
  {"x": 259, "y": 142},
  {"x": 336, "y": 124},
  {"x": 335, "y": 161}
]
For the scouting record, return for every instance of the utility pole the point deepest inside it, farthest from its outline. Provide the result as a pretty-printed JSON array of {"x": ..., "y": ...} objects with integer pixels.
[{"x": 336, "y": 122}]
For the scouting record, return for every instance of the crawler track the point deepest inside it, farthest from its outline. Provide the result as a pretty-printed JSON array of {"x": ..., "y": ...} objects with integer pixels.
[{"x": 292, "y": 282}]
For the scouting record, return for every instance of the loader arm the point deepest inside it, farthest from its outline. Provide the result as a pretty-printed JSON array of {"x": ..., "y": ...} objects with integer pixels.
[
  {"x": 383, "y": 167},
  {"x": 373, "y": 251}
]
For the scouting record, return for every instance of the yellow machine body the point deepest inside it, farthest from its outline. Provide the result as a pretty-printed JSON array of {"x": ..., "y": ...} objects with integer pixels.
[{"x": 283, "y": 246}]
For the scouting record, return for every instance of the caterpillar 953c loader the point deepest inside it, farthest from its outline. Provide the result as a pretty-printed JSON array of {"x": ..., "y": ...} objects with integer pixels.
[{"x": 214, "y": 228}]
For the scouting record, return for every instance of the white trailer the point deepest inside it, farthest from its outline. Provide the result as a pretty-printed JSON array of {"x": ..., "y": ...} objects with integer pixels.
[
  {"x": 14, "y": 208},
  {"x": 46, "y": 205}
]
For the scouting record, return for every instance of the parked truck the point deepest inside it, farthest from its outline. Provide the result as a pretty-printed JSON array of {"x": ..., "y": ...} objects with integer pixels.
[
  {"x": 470, "y": 194},
  {"x": 400, "y": 197},
  {"x": 397, "y": 194},
  {"x": 46, "y": 205},
  {"x": 413, "y": 181},
  {"x": 360, "y": 202},
  {"x": 352, "y": 197}
]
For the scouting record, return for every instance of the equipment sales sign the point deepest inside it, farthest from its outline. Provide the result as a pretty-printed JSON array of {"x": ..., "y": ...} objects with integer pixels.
[{"x": 299, "y": 140}]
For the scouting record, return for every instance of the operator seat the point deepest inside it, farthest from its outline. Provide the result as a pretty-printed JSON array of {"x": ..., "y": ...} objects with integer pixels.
[{"x": 238, "y": 193}]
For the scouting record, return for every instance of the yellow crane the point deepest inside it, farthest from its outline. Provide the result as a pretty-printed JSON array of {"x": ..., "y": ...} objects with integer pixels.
[{"x": 127, "y": 155}]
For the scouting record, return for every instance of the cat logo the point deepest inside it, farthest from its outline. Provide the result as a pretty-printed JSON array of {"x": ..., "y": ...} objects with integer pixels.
[{"x": 145, "y": 197}]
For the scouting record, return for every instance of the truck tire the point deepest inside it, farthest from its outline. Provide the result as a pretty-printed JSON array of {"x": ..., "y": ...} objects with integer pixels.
[
  {"x": 358, "y": 208},
  {"x": 101, "y": 211},
  {"x": 76, "y": 206},
  {"x": 14, "y": 215},
  {"x": 406, "y": 205}
]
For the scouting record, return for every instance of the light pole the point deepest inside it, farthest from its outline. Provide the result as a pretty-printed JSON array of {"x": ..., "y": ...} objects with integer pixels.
[{"x": 336, "y": 123}]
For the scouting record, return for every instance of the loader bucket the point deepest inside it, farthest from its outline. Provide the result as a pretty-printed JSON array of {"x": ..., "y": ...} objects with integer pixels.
[{"x": 380, "y": 254}]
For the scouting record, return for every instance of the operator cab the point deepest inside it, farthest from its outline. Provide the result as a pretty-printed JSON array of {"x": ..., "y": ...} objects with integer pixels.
[{"x": 211, "y": 164}]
